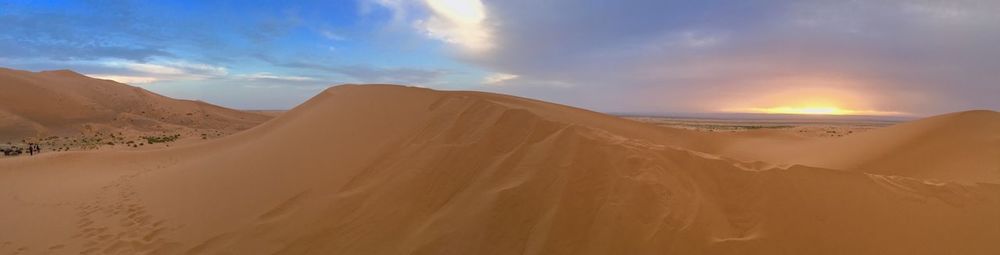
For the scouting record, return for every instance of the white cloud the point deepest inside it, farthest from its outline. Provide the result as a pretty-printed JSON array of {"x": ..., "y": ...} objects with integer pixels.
[
  {"x": 161, "y": 69},
  {"x": 145, "y": 68},
  {"x": 460, "y": 22},
  {"x": 124, "y": 78},
  {"x": 269, "y": 76},
  {"x": 196, "y": 68},
  {"x": 498, "y": 78}
]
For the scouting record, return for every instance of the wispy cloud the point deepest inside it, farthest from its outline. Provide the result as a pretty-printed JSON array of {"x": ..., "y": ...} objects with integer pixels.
[
  {"x": 365, "y": 73},
  {"x": 402, "y": 75},
  {"x": 274, "y": 77},
  {"x": 131, "y": 72},
  {"x": 124, "y": 78},
  {"x": 498, "y": 78}
]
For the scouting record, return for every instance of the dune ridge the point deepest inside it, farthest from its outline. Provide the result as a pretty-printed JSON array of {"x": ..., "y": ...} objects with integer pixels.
[{"x": 381, "y": 169}]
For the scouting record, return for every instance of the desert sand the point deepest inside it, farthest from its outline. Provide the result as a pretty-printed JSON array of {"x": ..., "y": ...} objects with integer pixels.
[
  {"x": 382, "y": 169},
  {"x": 65, "y": 110}
]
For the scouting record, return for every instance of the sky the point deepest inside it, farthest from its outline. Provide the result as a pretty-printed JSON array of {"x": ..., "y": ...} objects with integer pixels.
[{"x": 906, "y": 57}]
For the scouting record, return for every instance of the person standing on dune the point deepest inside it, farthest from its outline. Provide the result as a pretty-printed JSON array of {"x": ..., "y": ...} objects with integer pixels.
[{"x": 33, "y": 149}]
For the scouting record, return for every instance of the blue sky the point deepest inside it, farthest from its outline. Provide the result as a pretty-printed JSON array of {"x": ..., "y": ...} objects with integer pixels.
[
  {"x": 916, "y": 57},
  {"x": 247, "y": 54}
]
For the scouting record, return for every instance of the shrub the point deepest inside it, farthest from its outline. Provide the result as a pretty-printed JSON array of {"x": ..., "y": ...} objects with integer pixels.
[{"x": 161, "y": 139}]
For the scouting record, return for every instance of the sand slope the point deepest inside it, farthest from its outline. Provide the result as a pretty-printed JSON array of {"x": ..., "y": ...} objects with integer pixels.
[
  {"x": 963, "y": 146},
  {"x": 378, "y": 169},
  {"x": 41, "y": 104}
]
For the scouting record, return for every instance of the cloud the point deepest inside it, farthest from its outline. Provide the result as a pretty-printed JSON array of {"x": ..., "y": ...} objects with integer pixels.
[
  {"x": 498, "y": 78},
  {"x": 273, "y": 77},
  {"x": 463, "y": 23},
  {"x": 192, "y": 49},
  {"x": 33, "y": 33},
  {"x": 363, "y": 73},
  {"x": 125, "y": 79},
  {"x": 915, "y": 56},
  {"x": 460, "y": 22},
  {"x": 166, "y": 69},
  {"x": 402, "y": 75},
  {"x": 131, "y": 72}
]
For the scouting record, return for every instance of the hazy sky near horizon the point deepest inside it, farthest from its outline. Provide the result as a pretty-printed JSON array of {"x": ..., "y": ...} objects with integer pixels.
[{"x": 868, "y": 57}]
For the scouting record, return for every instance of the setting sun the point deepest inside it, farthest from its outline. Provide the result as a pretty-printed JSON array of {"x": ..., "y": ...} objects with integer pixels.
[{"x": 808, "y": 95}]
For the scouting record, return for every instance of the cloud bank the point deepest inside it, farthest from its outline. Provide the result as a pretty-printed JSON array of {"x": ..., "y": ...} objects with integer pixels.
[{"x": 918, "y": 57}]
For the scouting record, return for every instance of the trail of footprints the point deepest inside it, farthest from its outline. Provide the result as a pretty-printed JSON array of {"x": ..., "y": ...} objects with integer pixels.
[{"x": 117, "y": 223}]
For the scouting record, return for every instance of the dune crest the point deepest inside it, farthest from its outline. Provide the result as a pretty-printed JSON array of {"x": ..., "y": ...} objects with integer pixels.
[{"x": 382, "y": 169}]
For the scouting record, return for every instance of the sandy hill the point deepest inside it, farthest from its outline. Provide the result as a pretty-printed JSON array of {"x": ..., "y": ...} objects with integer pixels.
[
  {"x": 377, "y": 169},
  {"x": 60, "y": 103},
  {"x": 962, "y": 146}
]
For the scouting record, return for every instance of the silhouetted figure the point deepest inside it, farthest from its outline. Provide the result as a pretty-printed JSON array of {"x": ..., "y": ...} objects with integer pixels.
[{"x": 31, "y": 149}]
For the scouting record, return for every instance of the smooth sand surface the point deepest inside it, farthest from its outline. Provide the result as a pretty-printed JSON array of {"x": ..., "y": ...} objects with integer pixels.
[{"x": 380, "y": 169}]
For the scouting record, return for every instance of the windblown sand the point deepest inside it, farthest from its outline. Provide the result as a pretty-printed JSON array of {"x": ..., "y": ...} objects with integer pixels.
[{"x": 378, "y": 169}]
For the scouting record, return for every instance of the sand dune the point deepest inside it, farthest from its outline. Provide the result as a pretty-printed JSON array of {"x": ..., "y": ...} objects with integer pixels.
[
  {"x": 61, "y": 103},
  {"x": 963, "y": 146},
  {"x": 379, "y": 169}
]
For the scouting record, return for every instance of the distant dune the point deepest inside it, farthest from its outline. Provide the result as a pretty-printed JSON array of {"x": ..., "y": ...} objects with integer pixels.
[
  {"x": 382, "y": 169},
  {"x": 963, "y": 146},
  {"x": 60, "y": 103}
]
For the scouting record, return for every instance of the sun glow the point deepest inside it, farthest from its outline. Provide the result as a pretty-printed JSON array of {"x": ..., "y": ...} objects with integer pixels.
[
  {"x": 826, "y": 110},
  {"x": 807, "y": 95},
  {"x": 814, "y": 110},
  {"x": 462, "y": 11},
  {"x": 460, "y": 22}
]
